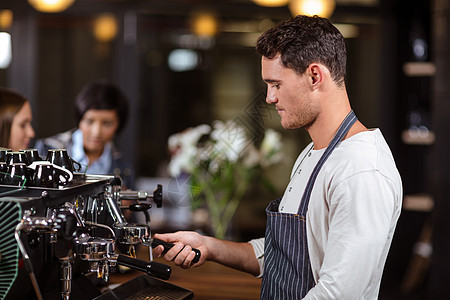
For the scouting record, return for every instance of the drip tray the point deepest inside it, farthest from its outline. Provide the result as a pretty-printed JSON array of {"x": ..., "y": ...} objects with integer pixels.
[{"x": 148, "y": 288}]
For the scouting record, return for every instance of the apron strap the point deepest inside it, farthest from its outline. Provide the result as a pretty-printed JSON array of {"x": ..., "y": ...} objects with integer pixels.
[{"x": 345, "y": 126}]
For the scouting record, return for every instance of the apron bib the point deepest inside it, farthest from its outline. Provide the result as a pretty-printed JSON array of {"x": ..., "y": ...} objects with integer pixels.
[{"x": 287, "y": 268}]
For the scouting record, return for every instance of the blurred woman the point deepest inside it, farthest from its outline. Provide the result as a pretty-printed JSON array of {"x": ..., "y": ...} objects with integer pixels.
[
  {"x": 101, "y": 112},
  {"x": 16, "y": 131}
]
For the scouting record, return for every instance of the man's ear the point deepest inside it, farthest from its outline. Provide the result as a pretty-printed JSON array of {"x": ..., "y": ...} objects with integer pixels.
[{"x": 316, "y": 74}]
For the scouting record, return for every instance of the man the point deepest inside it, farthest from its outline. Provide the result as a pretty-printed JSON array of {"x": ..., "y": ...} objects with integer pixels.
[{"x": 329, "y": 235}]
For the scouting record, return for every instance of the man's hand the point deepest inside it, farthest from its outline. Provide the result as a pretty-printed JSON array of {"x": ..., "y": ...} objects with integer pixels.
[
  {"x": 181, "y": 253},
  {"x": 239, "y": 256}
]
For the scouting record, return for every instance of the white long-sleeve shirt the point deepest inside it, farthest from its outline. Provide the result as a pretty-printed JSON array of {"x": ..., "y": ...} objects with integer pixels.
[{"x": 352, "y": 214}]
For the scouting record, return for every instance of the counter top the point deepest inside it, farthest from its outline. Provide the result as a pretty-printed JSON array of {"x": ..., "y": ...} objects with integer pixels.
[{"x": 209, "y": 281}]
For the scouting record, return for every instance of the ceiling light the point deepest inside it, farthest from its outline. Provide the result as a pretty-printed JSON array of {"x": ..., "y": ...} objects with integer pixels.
[
  {"x": 105, "y": 27},
  {"x": 322, "y": 8},
  {"x": 181, "y": 60},
  {"x": 271, "y": 3},
  {"x": 204, "y": 24},
  {"x": 5, "y": 50},
  {"x": 6, "y": 18},
  {"x": 51, "y": 6}
]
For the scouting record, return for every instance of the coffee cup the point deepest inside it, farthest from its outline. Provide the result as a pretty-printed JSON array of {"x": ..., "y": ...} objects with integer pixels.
[
  {"x": 4, "y": 154},
  {"x": 61, "y": 158},
  {"x": 32, "y": 155},
  {"x": 3, "y": 171},
  {"x": 46, "y": 174},
  {"x": 17, "y": 174},
  {"x": 17, "y": 157}
]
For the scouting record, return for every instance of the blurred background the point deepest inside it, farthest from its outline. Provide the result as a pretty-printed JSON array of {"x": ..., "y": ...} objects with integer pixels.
[{"x": 183, "y": 63}]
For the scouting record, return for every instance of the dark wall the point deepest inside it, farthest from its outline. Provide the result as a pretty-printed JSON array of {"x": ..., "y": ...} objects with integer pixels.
[
  {"x": 440, "y": 166},
  {"x": 407, "y": 105}
]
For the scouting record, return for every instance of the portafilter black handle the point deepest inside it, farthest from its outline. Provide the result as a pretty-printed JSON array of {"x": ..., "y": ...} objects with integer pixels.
[
  {"x": 157, "y": 195},
  {"x": 152, "y": 268},
  {"x": 167, "y": 246}
]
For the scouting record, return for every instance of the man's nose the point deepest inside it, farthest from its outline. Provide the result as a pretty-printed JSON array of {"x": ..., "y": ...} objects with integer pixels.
[{"x": 270, "y": 98}]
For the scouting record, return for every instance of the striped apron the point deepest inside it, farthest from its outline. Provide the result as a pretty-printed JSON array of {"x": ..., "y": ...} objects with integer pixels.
[{"x": 287, "y": 269}]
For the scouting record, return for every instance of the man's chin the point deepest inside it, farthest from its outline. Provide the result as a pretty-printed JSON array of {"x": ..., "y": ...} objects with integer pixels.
[{"x": 289, "y": 126}]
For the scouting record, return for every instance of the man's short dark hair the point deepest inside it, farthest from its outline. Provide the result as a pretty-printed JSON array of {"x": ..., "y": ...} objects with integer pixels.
[
  {"x": 303, "y": 40},
  {"x": 99, "y": 95}
]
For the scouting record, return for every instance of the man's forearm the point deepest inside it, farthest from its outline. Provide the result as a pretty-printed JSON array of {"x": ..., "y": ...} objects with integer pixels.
[{"x": 235, "y": 255}]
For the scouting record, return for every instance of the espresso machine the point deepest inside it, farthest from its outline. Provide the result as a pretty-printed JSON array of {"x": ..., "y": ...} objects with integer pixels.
[{"x": 64, "y": 241}]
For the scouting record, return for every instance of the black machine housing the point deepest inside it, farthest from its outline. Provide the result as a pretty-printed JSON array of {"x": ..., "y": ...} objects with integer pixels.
[{"x": 71, "y": 238}]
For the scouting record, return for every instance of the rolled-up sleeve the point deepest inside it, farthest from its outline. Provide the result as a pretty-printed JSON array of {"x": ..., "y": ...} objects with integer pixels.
[{"x": 258, "y": 247}]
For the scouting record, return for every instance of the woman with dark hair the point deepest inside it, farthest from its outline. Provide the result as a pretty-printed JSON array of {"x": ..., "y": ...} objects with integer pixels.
[
  {"x": 101, "y": 111},
  {"x": 15, "y": 120}
]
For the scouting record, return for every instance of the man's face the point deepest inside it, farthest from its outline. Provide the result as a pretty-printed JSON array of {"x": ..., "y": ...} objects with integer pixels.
[{"x": 289, "y": 92}]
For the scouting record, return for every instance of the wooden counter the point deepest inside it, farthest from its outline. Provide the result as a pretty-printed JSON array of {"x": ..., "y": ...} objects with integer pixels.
[{"x": 209, "y": 281}]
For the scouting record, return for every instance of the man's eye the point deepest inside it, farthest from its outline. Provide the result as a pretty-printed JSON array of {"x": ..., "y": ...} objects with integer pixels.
[{"x": 277, "y": 86}]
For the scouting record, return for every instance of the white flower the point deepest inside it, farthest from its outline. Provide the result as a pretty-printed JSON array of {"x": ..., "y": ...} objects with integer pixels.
[
  {"x": 183, "y": 147},
  {"x": 271, "y": 147},
  {"x": 187, "y": 138},
  {"x": 230, "y": 139},
  {"x": 227, "y": 142},
  {"x": 182, "y": 161},
  {"x": 252, "y": 157}
]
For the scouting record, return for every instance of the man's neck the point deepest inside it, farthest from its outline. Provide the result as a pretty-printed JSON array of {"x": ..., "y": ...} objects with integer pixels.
[{"x": 332, "y": 114}]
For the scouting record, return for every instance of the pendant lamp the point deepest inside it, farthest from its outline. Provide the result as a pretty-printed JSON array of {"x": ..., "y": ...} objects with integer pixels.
[
  {"x": 322, "y": 8},
  {"x": 271, "y": 3},
  {"x": 51, "y": 6}
]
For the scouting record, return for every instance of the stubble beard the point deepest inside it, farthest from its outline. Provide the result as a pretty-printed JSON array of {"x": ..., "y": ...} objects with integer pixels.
[{"x": 300, "y": 119}]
